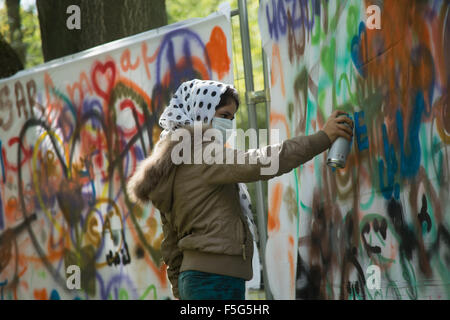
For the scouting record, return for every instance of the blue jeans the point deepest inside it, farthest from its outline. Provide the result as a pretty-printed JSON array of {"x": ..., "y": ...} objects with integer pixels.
[{"x": 197, "y": 285}]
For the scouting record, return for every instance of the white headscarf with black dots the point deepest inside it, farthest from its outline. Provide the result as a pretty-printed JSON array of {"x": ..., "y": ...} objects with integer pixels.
[{"x": 196, "y": 100}]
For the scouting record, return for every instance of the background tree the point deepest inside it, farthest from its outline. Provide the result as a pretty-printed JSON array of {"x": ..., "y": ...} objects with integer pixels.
[
  {"x": 29, "y": 28},
  {"x": 9, "y": 60},
  {"x": 101, "y": 22},
  {"x": 15, "y": 29}
]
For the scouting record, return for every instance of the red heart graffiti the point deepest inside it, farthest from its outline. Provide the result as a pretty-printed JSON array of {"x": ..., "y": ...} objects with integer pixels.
[{"x": 102, "y": 70}]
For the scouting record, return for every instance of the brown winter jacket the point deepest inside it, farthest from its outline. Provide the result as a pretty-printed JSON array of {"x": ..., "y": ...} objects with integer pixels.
[{"x": 203, "y": 224}]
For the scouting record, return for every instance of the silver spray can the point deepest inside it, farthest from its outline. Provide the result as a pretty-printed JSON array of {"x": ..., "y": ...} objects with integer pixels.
[{"x": 337, "y": 155}]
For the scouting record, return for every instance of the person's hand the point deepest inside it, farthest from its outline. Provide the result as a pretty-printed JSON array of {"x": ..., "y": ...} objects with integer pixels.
[{"x": 334, "y": 127}]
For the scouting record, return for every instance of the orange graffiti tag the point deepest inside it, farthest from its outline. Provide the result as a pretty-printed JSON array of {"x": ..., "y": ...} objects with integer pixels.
[
  {"x": 52, "y": 105},
  {"x": 273, "y": 223},
  {"x": 11, "y": 210},
  {"x": 125, "y": 61},
  {"x": 147, "y": 60},
  {"x": 40, "y": 294},
  {"x": 291, "y": 259},
  {"x": 216, "y": 50},
  {"x": 277, "y": 69},
  {"x": 279, "y": 117}
]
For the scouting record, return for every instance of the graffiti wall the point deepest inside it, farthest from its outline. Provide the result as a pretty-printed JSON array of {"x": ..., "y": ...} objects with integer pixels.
[
  {"x": 378, "y": 229},
  {"x": 71, "y": 133}
]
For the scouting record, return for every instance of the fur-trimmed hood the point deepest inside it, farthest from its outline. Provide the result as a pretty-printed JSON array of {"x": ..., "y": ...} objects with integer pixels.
[{"x": 154, "y": 177}]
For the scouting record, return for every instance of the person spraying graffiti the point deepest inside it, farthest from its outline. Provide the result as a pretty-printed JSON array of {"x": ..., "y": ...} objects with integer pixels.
[{"x": 205, "y": 206}]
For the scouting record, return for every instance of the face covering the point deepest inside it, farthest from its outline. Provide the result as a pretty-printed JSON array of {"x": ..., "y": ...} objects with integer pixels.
[{"x": 222, "y": 124}]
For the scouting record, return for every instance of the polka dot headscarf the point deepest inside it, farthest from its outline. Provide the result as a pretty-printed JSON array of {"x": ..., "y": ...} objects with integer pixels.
[{"x": 196, "y": 100}]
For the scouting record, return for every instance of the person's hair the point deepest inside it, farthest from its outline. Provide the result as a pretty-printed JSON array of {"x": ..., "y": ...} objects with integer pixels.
[{"x": 228, "y": 96}]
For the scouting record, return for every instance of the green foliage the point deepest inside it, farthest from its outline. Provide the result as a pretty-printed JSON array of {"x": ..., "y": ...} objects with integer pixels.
[
  {"x": 187, "y": 9},
  {"x": 30, "y": 30},
  {"x": 32, "y": 38}
]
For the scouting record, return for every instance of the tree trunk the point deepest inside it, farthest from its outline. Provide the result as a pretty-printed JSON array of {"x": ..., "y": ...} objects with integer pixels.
[
  {"x": 15, "y": 30},
  {"x": 101, "y": 21},
  {"x": 9, "y": 60}
]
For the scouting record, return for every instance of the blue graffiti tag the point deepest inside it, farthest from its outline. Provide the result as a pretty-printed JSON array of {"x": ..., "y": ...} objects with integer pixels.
[
  {"x": 391, "y": 168},
  {"x": 361, "y": 132},
  {"x": 409, "y": 164}
]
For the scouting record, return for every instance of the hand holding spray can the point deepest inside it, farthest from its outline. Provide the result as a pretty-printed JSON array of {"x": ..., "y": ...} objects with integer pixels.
[{"x": 338, "y": 153}]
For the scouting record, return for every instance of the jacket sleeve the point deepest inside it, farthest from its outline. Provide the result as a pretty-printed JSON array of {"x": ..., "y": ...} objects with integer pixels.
[
  {"x": 267, "y": 162},
  {"x": 171, "y": 254}
]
